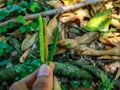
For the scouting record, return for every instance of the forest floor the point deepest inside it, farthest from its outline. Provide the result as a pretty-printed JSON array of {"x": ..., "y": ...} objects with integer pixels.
[{"x": 88, "y": 45}]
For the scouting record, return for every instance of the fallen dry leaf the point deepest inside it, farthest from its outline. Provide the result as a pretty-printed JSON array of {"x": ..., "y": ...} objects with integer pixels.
[
  {"x": 109, "y": 57},
  {"x": 71, "y": 43},
  {"x": 3, "y": 39},
  {"x": 24, "y": 56},
  {"x": 116, "y": 3},
  {"x": 115, "y": 16},
  {"x": 28, "y": 41},
  {"x": 15, "y": 34},
  {"x": 51, "y": 28},
  {"x": 55, "y": 3},
  {"x": 115, "y": 23},
  {"x": 56, "y": 84},
  {"x": 89, "y": 51},
  {"x": 112, "y": 67},
  {"x": 108, "y": 5},
  {"x": 87, "y": 37},
  {"x": 79, "y": 14},
  {"x": 118, "y": 74},
  {"x": 82, "y": 13},
  {"x": 60, "y": 50},
  {"x": 67, "y": 43},
  {"x": 111, "y": 40},
  {"x": 68, "y": 17}
]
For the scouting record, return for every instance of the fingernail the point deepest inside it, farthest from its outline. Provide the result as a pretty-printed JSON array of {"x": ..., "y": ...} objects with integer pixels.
[{"x": 44, "y": 70}]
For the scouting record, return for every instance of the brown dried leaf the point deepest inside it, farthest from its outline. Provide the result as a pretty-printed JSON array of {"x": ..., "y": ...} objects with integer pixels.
[
  {"x": 108, "y": 5},
  {"x": 60, "y": 51},
  {"x": 87, "y": 37},
  {"x": 3, "y": 39},
  {"x": 109, "y": 57},
  {"x": 116, "y": 3},
  {"x": 51, "y": 28},
  {"x": 115, "y": 23},
  {"x": 115, "y": 16},
  {"x": 56, "y": 84},
  {"x": 67, "y": 43},
  {"x": 111, "y": 40},
  {"x": 28, "y": 41},
  {"x": 118, "y": 74},
  {"x": 71, "y": 43},
  {"x": 55, "y": 3},
  {"x": 24, "y": 56},
  {"x": 68, "y": 17},
  {"x": 79, "y": 14},
  {"x": 112, "y": 67},
  {"x": 15, "y": 34},
  {"x": 111, "y": 52},
  {"x": 82, "y": 13}
]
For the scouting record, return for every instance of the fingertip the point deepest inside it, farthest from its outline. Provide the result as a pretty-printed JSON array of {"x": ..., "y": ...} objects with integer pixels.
[{"x": 52, "y": 66}]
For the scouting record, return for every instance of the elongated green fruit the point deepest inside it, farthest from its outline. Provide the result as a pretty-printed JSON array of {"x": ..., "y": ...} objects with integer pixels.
[
  {"x": 45, "y": 41},
  {"x": 41, "y": 38},
  {"x": 54, "y": 45}
]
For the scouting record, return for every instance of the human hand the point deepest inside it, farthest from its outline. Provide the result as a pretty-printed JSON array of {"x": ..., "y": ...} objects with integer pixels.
[{"x": 41, "y": 79}]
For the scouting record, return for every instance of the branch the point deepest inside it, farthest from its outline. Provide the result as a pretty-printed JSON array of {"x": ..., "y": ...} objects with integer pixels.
[{"x": 51, "y": 12}]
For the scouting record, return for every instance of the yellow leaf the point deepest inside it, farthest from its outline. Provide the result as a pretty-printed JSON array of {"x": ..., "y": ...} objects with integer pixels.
[
  {"x": 68, "y": 2},
  {"x": 28, "y": 42},
  {"x": 56, "y": 84}
]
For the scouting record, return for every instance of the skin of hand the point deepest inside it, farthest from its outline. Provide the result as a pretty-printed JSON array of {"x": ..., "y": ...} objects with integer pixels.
[{"x": 41, "y": 79}]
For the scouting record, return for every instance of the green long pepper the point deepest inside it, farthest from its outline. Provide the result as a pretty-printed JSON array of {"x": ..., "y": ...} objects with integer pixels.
[
  {"x": 41, "y": 38},
  {"x": 43, "y": 42}
]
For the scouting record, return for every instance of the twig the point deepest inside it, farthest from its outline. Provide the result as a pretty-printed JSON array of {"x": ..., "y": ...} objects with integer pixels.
[{"x": 51, "y": 12}]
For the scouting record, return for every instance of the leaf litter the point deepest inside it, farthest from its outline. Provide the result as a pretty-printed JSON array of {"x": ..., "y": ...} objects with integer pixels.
[{"x": 88, "y": 44}]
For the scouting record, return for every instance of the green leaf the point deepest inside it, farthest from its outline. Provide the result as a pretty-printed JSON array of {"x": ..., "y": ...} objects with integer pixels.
[
  {"x": 9, "y": 4},
  {"x": 4, "y": 13},
  {"x": 10, "y": 25},
  {"x": 4, "y": 63},
  {"x": 22, "y": 29},
  {"x": 54, "y": 45},
  {"x": 3, "y": 29},
  {"x": 34, "y": 6},
  {"x": 24, "y": 3},
  {"x": 63, "y": 87},
  {"x": 68, "y": 44},
  {"x": 21, "y": 19},
  {"x": 1, "y": 51},
  {"x": 99, "y": 21},
  {"x": 41, "y": 38},
  {"x": 34, "y": 25},
  {"x": 3, "y": 45},
  {"x": 22, "y": 10},
  {"x": 15, "y": 8},
  {"x": 86, "y": 84},
  {"x": 75, "y": 84}
]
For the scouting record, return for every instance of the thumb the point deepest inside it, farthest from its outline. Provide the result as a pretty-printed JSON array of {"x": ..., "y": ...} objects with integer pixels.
[{"x": 44, "y": 79}]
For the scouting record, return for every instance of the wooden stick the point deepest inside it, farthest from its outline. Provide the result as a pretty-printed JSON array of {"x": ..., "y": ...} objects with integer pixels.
[{"x": 51, "y": 12}]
